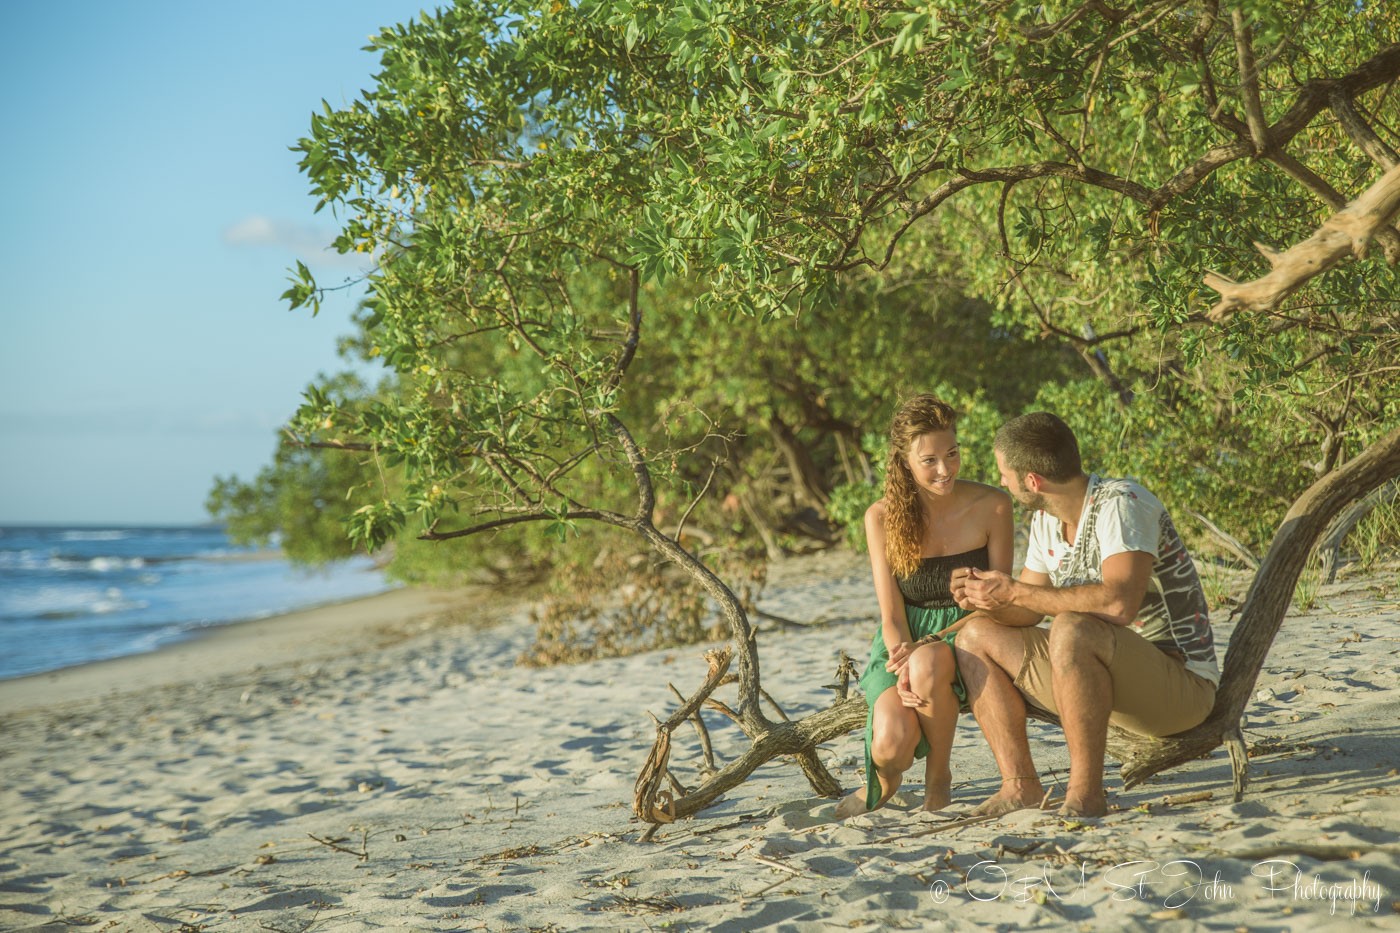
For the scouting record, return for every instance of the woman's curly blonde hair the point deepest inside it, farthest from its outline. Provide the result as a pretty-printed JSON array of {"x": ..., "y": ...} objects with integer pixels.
[{"x": 904, "y": 519}]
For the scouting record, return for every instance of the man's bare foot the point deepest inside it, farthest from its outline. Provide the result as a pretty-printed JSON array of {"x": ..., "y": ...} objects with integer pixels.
[
  {"x": 937, "y": 795},
  {"x": 1018, "y": 795},
  {"x": 1090, "y": 806}
]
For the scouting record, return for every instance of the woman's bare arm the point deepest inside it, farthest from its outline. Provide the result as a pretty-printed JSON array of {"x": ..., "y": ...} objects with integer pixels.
[{"x": 894, "y": 625}]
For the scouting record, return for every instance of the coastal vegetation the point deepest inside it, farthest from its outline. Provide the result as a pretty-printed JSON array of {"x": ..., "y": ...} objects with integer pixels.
[{"x": 660, "y": 268}]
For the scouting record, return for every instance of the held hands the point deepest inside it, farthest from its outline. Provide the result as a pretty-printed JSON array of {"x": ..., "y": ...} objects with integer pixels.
[{"x": 988, "y": 590}]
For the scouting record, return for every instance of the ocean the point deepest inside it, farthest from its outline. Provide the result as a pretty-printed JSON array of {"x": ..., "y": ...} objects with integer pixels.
[{"x": 69, "y": 595}]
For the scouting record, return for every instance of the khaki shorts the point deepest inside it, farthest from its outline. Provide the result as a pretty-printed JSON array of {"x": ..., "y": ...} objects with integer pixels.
[{"x": 1153, "y": 692}]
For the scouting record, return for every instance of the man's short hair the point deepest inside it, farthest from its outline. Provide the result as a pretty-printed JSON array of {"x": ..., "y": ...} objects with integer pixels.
[{"x": 1039, "y": 443}]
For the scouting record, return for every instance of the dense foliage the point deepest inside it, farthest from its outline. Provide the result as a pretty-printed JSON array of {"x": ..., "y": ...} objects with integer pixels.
[{"x": 721, "y": 238}]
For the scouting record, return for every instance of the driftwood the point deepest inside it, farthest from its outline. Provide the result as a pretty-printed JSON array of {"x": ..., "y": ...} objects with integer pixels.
[
  {"x": 769, "y": 740},
  {"x": 1349, "y": 231}
]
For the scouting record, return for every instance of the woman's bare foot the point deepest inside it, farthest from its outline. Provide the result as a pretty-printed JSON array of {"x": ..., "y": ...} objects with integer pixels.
[
  {"x": 938, "y": 794},
  {"x": 1016, "y": 794},
  {"x": 853, "y": 804}
]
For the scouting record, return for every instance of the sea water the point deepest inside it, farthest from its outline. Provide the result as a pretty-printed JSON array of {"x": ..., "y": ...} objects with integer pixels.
[{"x": 70, "y": 595}]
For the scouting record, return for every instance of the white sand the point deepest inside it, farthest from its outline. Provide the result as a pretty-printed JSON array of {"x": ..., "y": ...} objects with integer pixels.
[{"x": 450, "y": 790}]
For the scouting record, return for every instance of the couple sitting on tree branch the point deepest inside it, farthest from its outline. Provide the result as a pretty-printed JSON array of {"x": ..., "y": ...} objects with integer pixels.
[{"x": 1129, "y": 641}]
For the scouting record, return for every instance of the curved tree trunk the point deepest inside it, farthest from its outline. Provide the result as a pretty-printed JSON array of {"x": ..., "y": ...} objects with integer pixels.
[
  {"x": 1264, "y": 609},
  {"x": 798, "y": 738},
  {"x": 751, "y": 717}
]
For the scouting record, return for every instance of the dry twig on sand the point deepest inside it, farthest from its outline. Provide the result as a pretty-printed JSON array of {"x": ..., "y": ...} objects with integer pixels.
[{"x": 362, "y": 855}]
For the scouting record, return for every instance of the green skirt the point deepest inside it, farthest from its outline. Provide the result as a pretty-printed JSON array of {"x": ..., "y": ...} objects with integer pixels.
[{"x": 876, "y": 680}]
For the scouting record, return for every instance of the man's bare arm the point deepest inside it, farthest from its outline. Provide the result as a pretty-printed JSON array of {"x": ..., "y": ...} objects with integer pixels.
[{"x": 1117, "y": 599}]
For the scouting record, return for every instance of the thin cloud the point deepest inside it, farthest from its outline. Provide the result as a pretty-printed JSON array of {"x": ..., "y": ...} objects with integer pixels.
[{"x": 306, "y": 242}]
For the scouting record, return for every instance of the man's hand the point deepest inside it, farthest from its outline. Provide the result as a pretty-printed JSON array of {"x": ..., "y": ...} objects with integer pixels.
[
  {"x": 988, "y": 590},
  {"x": 899, "y": 656}
]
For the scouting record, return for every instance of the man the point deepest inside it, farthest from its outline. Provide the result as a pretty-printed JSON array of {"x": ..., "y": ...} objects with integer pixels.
[{"x": 1129, "y": 641}]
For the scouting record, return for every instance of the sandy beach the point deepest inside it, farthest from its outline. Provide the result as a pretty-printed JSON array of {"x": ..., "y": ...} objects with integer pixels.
[{"x": 382, "y": 764}]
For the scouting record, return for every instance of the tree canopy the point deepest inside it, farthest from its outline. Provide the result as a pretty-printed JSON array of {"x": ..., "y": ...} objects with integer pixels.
[{"x": 535, "y": 179}]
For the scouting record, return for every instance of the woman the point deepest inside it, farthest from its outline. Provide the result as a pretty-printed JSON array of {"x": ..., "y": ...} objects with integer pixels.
[{"x": 928, "y": 524}]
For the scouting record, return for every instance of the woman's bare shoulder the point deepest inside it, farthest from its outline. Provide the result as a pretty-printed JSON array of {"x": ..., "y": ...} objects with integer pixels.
[
  {"x": 876, "y": 510},
  {"x": 980, "y": 495}
]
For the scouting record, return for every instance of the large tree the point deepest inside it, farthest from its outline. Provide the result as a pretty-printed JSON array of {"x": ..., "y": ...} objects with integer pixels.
[{"x": 538, "y": 182}]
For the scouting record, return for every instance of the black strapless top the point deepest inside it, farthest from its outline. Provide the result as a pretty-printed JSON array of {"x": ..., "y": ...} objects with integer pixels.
[{"x": 929, "y": 586}]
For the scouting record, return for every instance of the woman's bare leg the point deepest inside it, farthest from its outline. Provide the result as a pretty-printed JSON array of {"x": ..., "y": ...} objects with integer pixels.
[
  {"x": 895, "y": 734},
  {"x": 931, "y": 672}
]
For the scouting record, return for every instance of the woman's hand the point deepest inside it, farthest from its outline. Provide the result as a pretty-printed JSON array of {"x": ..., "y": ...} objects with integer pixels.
[
  {"x": 899, "y": 656},
  {"x": 957, "y": 584},
  {"x": 907, "y": 696}
]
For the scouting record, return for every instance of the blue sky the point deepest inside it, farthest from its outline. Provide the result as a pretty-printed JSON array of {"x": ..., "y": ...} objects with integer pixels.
[{"x": 152, "y": 211}]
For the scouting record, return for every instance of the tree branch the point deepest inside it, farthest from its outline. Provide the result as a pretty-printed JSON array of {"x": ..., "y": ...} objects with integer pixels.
[
  {"x": 1361, "y": 133},
  {"x": 646, "y": 493},
  {"x": 1249, "y": 83},
  {"x": 1050, "y": 30},
  {"x": 1348, "y": 231},
  {"x": 968, "y": 177},
  {"x": 634, "y": 330},
  {"x": 1313, "y": 97},
  {"x": 680, "y": 525},
  {"x": 611, "y": 518}
]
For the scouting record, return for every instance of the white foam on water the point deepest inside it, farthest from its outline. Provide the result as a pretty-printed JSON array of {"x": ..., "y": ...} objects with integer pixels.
[
  {"x": 113, "y": 535},
  {"x": 114, "y": 600},
  {"x": 71, "y": 596},
  {"x": 108, "y": 564}
]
